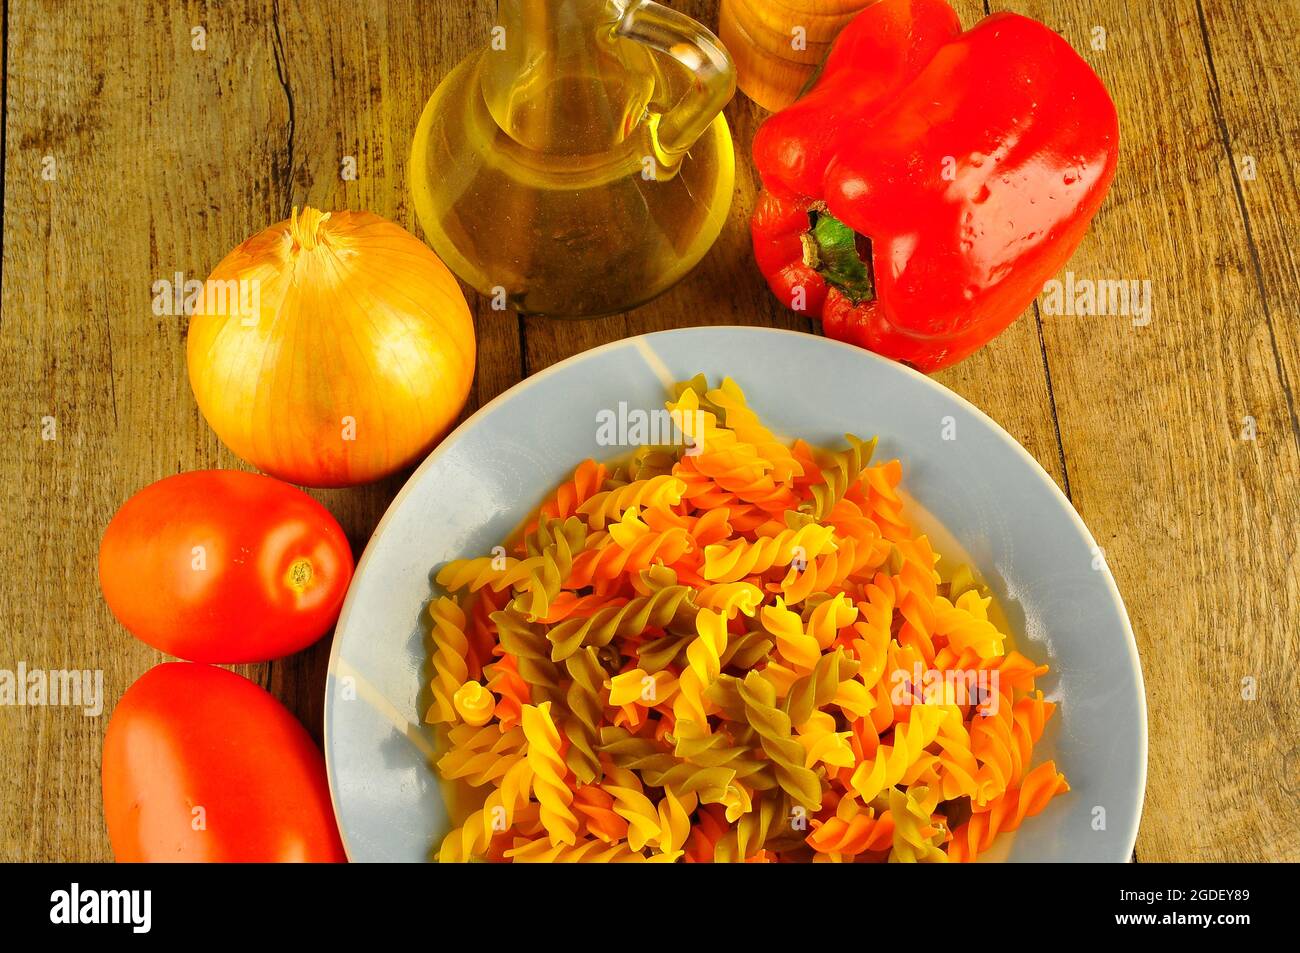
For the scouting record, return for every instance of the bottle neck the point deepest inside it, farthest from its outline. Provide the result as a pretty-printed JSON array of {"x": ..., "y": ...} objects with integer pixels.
[
  {"x": 538, "y": 17},
  {"x": 553, "y": 35},
  {"x": 555, "y": 72}
]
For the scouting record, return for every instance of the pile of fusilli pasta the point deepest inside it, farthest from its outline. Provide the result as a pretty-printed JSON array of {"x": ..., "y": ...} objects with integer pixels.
[{"x": 738, "y": 653}]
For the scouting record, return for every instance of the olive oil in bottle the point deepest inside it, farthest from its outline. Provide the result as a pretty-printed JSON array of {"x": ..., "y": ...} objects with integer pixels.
[{"x": 579, "y": 164}]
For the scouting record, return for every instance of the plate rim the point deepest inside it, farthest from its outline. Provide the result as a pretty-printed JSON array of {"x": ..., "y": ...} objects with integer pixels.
[{"x": 632, "y": 341}]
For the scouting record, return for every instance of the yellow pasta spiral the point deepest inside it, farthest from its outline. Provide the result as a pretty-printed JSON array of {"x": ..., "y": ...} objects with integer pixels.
[
  {"x": 474, "y": 704},
  {"x": 747, "y": 427},
  {"x": 799, "y": 648},
  {"x": 470, "y": 840},
  {"x": 553, "y": 793},
  {"x": 473, "y": 574},
  {"x": 697, "y": 418},
  {"x": 954, "y": 774},
  {"x": 450, "y": 647},
  {"x": 738, "y": 801},
  {"x": 674, "y": 821},
  {"x": 731, "y": 562},
  {"x": 704, "y": 662},
  {"x": 823, "y": 744},
  {"x": 916, "y": 839},
  {"x": 751, "y": 832},
  {"x": 831, "y": 615},
  {"x": 891, "y": 762},
  {"x": 966, "y": 625},
  {"x": 480, "y": 756},
  {"x": 827, "y": 572},
  {"x": 592, "y": 851},
  {"x": 656, "y": 492},
  {"x": 853, "y": 698},
  {"x": 638, "y": 687},
  {"x": 730, "y": 598},
  {"x": 640, "y": 813}
]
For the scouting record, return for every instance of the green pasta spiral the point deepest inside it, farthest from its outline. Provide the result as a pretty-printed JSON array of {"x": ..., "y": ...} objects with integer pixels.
[
  {"x": 773, "y": 727},
  {"x": 700, "y": 384},
  {"x": 650, "y": 462},
  {"x": 657, "y": 654},
  {"x": 683, "y": 778},
  {"x": 725, "y": 694},
  {"x": 840, "y": 469},
  {"x": 747, "y": 650},
  {"x": 715, "y": 751},
  {"x": 661, "y": 768},
  {"x": 816, "y": 689},
  {"x": 751, "y": 832},
  {"x": 582, "y": 727},
  {"x": 551, "y": 549},
  {"x": 670, "y": 606},
  {"x": 632, "y": 752},
  {"x": 527, "y": 642}
]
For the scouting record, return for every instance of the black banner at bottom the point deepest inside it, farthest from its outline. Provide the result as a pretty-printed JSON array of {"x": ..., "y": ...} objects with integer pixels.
[{"x": 126, "y": 903}]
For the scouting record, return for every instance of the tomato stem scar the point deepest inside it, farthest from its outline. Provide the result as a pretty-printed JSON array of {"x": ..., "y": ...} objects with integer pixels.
[{"x": 299, "y": 575}]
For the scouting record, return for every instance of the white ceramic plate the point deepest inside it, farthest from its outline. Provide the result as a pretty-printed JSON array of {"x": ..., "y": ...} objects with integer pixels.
[{"x": 981, "y": 490}]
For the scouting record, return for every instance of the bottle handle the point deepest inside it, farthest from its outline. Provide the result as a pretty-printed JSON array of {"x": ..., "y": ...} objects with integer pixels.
[{"x": 701, "y": 53}]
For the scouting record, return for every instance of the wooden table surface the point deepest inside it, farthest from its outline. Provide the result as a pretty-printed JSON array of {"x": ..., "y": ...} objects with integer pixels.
[{"x": 1176, "y": 440}]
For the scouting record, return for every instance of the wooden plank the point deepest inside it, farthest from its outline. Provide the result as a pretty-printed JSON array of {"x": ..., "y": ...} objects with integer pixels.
[
  {"x": 1198, "y": 524},
  {"x": 1253, "y": 100},
  {"x": 80, "y": 343},
  {"x": 1253, "y": 73}
]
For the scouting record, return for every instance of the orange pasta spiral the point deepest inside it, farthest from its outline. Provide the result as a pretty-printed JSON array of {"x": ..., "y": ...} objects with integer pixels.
[{"x": 1007, "y": 812}]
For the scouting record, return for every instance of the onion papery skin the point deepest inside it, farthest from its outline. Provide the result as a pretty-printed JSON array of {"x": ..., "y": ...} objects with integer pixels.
[{"x": 357, "y": 358}]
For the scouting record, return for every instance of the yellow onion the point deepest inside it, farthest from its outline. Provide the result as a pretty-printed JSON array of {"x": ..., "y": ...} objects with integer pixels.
[{"x": 331, "y": 349}]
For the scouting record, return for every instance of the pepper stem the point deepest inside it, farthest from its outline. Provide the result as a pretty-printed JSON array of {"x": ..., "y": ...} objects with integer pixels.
[{"x": 831, "y": 248}]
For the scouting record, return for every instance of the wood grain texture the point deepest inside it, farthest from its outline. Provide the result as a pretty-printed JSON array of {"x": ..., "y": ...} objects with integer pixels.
[{"x": 166, "y": 157}]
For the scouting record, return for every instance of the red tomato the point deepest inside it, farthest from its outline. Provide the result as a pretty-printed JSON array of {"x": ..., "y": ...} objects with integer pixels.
[
  {"x": 200, "y": 764},
  {"x": 224, "y": 566}
]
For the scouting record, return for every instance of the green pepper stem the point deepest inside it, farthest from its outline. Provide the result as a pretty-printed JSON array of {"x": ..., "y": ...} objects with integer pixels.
[{"x": 831, "y": 248}]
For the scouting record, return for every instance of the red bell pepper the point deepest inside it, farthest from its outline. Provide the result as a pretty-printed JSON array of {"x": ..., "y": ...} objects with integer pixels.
[{"x": 919, "y": 196}]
